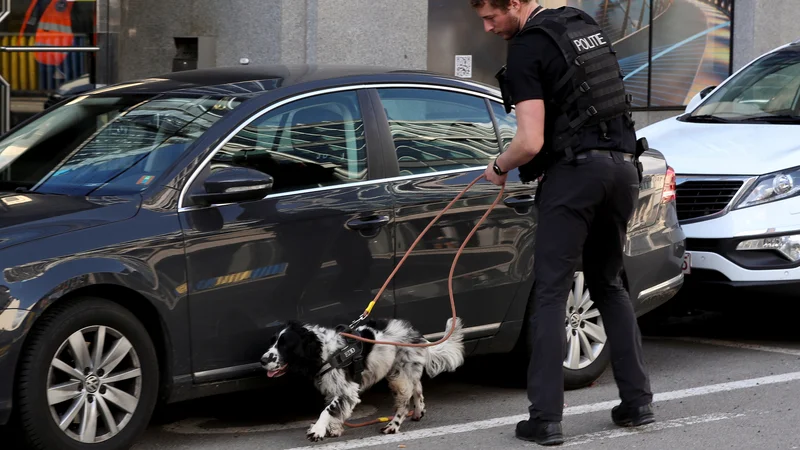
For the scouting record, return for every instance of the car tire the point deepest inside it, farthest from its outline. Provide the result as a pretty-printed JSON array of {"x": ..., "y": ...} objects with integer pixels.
[
  {"x": 112, "y": 401},
  {"x": 589, "y": 366}
]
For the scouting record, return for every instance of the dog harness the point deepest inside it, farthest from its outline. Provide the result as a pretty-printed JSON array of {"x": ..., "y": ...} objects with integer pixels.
[{"x": 351, "y": 355}]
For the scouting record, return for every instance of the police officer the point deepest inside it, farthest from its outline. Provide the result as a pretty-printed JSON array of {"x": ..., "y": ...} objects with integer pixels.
[{"x": 575, "y": 132}]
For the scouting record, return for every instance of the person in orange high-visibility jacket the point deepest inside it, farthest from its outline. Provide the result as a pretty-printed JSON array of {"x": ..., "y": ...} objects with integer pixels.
[{"x": 52, "y": 20}]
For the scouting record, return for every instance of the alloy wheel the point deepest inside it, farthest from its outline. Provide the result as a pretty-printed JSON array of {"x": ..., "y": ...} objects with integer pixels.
[
  {"x": 94, "y": 384},
  {"x": 586, "y": 335}
]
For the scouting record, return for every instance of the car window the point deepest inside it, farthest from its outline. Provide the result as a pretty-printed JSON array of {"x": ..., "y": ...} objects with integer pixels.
[
  {"x": 111, "y": 145},
  {"x": 769, "y": 87},
  {"x": 775, "y": 92},
  {"x": 435, "y": 130},
  {"x": 506, "y": 123},
  {"x": 313, "y": 142}
]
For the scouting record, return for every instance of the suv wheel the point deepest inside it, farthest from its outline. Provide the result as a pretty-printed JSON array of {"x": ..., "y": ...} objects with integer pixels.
[
  {"x": 88, "y": 378},
  {"x": 587, "y": 353}
]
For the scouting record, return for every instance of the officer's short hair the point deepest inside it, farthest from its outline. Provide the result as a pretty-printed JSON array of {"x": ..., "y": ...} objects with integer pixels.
[{"x": 500, "y": 4}]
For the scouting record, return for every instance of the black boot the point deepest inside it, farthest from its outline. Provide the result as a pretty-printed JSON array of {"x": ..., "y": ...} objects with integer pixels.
[
  {"x": 543, "y": 433},
  {"x": 632, "y": 417}
]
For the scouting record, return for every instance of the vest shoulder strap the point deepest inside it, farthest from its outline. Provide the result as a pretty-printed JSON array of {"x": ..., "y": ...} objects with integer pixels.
[{"x": 576, "y": 33}]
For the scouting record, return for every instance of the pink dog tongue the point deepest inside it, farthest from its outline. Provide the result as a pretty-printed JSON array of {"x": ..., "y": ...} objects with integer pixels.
[{"x": 276, "y": 372}]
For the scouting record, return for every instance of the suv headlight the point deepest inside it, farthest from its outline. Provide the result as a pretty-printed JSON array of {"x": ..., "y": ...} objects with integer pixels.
[{"x": 772, "y": 187}]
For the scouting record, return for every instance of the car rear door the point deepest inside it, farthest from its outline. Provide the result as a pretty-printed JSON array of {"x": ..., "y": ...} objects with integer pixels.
[
  {"x": 316, "y": 249},
  {"x": 441, "y": 140}
]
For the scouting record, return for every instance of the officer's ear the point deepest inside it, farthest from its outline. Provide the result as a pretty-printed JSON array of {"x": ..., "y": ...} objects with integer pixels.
[{"x": 515, "y": 5}]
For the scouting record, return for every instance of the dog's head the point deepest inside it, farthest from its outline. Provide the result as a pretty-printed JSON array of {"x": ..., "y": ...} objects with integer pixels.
[{"x": 294, "y": 348}]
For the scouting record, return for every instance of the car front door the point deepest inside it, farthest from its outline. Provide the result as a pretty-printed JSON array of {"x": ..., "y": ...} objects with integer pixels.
[
  {"x": 442, "y": 140},
  {"x": 316, "y": 248}
]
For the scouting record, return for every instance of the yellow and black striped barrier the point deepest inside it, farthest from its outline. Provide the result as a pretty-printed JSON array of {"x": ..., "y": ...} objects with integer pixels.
[
  {"x": 20, "y": 69},
  {"x": 25, "y": 74}
]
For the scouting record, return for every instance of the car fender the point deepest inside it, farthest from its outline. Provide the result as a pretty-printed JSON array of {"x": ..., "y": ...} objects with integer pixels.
[{"x": 34, "y": 288}]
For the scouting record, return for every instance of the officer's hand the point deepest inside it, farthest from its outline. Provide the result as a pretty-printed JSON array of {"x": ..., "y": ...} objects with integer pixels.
[{"x": 494, "y": 178}]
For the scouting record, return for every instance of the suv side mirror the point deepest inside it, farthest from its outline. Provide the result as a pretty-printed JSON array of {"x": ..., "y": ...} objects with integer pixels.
[
  {"x": 698, "y": 98},
  {"x": 707, "y": 90},
  {"x": 233, "y": 184}
]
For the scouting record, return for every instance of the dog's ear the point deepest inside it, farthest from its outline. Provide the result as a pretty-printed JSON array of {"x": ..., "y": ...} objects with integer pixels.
[
  {"x": 307, "y": 345},
  {"x": 306, "y": 351},
  {"x": 311, "y": 345}
]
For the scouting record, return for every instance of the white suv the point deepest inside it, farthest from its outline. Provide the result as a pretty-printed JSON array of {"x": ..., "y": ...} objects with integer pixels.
[{"x": 736, "y": 154}]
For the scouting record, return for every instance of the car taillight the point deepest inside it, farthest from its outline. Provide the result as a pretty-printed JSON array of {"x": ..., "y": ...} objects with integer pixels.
[{"x": 668, "y": 194}]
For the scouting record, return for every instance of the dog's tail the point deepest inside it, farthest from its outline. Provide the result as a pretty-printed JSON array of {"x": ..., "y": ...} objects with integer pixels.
[{"x": 449, "y": 355}]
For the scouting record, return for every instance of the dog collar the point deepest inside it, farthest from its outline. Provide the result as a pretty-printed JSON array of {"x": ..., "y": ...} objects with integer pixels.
[{"x": 325, "y": 369}]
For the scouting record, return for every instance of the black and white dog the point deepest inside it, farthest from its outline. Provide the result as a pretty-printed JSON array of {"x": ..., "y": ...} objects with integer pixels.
[{"x": 304, "y": 349}]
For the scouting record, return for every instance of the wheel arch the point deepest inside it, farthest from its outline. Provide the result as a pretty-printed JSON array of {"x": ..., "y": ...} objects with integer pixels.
[{"x": 138, "y": 305}]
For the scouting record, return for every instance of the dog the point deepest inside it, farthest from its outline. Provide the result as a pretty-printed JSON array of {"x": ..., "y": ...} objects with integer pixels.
[{"x": 304, "y": 349}]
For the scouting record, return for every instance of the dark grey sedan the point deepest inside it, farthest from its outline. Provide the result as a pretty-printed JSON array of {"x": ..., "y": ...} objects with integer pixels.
[{"x": 154, "y": 234}]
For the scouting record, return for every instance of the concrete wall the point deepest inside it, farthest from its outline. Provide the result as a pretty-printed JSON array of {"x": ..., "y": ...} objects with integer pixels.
[
  {"x": 762, "y": 25},
  {"x": 372, "y": 32},
  {"x": 145, "y": 45}
]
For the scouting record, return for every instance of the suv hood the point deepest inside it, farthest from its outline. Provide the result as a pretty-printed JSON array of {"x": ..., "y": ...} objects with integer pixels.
[
  {"x": 724, "y": 149},
  {"x": 30, "y": 216}
]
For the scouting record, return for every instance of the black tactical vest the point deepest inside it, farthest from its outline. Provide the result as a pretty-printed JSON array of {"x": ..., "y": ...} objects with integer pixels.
[{"x": 592, "y": 91}]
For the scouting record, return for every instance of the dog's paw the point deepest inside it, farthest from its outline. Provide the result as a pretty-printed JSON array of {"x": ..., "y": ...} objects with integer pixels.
[
  {"x": 314, "y": 435},
  {"x": 335, "y": 430},
  {"x": 417, "y": 416},
  {"x": 392, "y": 428}
]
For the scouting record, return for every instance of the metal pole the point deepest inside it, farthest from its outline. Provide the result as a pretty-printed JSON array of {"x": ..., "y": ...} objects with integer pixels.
[
  {"x": 641, "y": 14},
  {"x": 5, "y": 88},
  {"x": 625, "y": 21},
  {"x": 48, "y": 49},
  {"x": 5, "y": 106},
  {"x": 6, "y": 10}
]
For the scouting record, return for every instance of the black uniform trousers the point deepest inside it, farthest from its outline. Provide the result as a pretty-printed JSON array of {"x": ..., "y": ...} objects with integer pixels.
[{"x": 584, "y": 207}]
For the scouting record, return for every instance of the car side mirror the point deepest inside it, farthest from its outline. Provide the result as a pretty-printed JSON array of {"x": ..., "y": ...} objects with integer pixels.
[
  {"x": 698, "y": 98},
  {"x": 707, "y": 90},
  {"x": 232, "y": 185}
]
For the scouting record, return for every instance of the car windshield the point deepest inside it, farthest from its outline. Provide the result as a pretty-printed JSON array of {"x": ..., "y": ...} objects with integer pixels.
[
  {"x": 106, "y": 145},
  {"x": 768, "y": 91}
]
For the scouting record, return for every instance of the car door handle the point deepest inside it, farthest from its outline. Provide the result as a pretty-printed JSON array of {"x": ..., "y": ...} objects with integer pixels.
[
  {"x": 521, "y": 201},
  {"x": 365, "y": 223}
]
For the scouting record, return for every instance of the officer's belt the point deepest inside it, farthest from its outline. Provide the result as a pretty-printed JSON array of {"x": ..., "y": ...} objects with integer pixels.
[{"x": 603, "y": 154}]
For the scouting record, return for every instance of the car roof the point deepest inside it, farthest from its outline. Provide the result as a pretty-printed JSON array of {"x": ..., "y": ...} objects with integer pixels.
[{"x": 255, "y": 80}]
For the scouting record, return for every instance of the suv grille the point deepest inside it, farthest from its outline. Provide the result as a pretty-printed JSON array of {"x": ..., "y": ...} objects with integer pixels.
[{"x": 696, "y": 199}]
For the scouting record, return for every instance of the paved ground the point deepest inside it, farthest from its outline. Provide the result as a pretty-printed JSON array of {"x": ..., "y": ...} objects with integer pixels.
[{"x": 723, "y": 380}]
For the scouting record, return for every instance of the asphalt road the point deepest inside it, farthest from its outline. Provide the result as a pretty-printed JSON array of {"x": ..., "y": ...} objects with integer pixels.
[
  {"x": 723, "y": 379},
  {"x": 726, "y": 378}
]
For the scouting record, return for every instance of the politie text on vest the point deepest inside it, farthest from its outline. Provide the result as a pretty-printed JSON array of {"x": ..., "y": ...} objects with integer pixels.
[{"x": 589, "y": 43}]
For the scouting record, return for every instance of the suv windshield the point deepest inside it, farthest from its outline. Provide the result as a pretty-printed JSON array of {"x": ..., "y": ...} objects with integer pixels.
[
  {"x": 767, "y": 91},
  {"x": 109, "y": 145}
]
